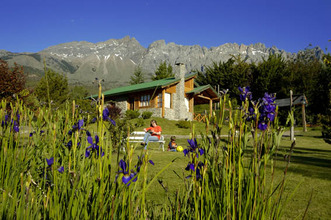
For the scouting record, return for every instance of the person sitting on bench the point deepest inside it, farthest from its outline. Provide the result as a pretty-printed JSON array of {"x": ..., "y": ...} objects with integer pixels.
[{"x": 153, "y": 133}]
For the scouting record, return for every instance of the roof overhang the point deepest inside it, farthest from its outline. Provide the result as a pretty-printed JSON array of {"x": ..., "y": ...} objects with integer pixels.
[{"x": 204, "y": 94}]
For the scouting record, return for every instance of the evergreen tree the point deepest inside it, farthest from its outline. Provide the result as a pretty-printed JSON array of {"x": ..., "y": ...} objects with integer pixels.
[
  {"x": 52, "y": 88},
  {"x": 137, "y": 77},
  {"x": 163, "y": 71},
  {"x": 269, "y": 76}
]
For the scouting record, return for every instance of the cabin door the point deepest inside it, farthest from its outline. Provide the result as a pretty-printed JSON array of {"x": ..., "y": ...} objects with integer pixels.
[{"x": 131, "y": 103}]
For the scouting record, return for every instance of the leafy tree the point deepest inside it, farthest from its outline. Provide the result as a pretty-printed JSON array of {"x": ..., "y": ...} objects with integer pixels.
[
  {"x": 309, "y": 77},
  {"x": 12, "y": 82},
  {"x": 228, "y": 75},
  {"x": 137, "y": 77},
  {"x": 163, "y": 71},
  {"x": 52, "y": 88}
]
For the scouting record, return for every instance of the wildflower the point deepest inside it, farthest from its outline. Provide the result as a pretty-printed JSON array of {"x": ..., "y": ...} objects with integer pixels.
[
  {"x": 78, "y": 125},
  {"x": 61, "y": 169},
  {"x": 262, "y": 125},
  {"x": 193, "y": 147},
  {"x": 131, "y": 176},
  {"x": 198, "y": 169},
  {"x": 94, "y": 147},
  {"x": 5, "y": 122},
  {"x": 126, "y": 176},
  {"x": 250, "y": 115},
  {"x": 14, "y": 124},
  {"x": 190, "y": 166},
  {"x": 69, "y": 144},
  {"x": 93, "y": 120},
  {"x": 245, "y": 93},
  {"x": 105, "y": 116},
  {"x": 88, "y": 133},
  {"x": 32, "y": 133},
  {"x": 50, "y": 161},
  {"x": 267, "y": 111}
]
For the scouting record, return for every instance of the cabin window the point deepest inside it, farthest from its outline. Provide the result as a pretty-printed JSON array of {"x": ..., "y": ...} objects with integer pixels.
[
  {"x": 144, "y": 100},
  {"x": 159, "y": 100}
]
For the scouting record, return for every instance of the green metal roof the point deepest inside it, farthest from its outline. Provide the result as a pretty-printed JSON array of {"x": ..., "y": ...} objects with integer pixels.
[
  {"x": 203, "y": 88},
  {"x": 143, "y": 86}
]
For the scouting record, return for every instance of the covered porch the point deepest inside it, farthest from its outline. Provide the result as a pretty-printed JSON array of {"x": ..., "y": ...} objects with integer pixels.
[{"x": 204, "y": 95}]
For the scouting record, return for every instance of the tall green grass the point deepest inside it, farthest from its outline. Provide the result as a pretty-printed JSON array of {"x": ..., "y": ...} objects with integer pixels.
[{"x": 228, "y": 184}]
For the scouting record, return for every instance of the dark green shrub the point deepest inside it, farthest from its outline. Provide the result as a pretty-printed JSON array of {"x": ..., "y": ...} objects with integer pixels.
[
  {"x": 131, "y": 114},
  {"x": 326, "y": 127},
  {"x": 140, "y": 122},
  {"x": 146, "y": 115},
  {"x": 183, "y": 124}
]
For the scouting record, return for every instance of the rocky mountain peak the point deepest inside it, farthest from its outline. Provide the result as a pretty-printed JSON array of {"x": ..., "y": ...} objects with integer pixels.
[{"x": 114, "y": 60}]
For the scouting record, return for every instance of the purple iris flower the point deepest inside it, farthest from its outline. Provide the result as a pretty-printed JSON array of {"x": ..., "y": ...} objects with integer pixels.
[
  {"x": 193, "y": 143},
  {"x": 105, "y": 116},
  {"x": 94, "y": 147},
  {"x": 14, "y": 124},
  {"x": 88, "y": 133},
  {"x": 201, "y": 151},
  {"x": 198, "y": 174},
  {"x": 190, "y": 166},
  {"x": 262, "y": 125},
  {"x": 245, "y": 93},
  {"x": 69, "y": 144},
  {"x": 78, "y": 125},
  {"x": 185, "y": 151},
  {"x": 250, "y": 115},
  {"x": 16, "y": 127},
  {"x": 126, "y": 176},
  {"x": 192, "y": 148},
  {"x": 61, "y": 169},
  {"x": 50, "y": 161},
  {"x": 5, "y": 122},
  {"x": 131, "y": 176},
  {"x": 267, "y": 111}
]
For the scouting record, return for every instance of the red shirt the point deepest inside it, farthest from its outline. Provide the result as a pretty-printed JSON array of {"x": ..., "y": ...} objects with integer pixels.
[{"x": 155, "y": 129}]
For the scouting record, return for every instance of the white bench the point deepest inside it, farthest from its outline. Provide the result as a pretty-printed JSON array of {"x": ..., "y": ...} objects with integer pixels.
[{"x": 138, "y": 136}]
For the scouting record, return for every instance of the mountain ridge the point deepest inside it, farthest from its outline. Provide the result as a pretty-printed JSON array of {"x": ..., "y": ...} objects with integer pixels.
[{"x": 114, "y": 60}]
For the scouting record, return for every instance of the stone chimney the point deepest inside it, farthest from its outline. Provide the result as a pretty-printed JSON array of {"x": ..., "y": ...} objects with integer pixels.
[{"x": 179, "y": 99}]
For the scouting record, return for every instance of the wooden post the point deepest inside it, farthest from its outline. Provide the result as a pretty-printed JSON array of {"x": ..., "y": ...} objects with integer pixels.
[
  {"x": 163, "y": 94},
  {"x": 210, "y": 106},
  {"x": 215, "y": 106},
  {"x": 292, "y": 125},
  {"x": 304, "y": 124}
]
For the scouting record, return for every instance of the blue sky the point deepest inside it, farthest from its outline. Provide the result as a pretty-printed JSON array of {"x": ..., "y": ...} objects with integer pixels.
[{"x": 291, "y": 25}]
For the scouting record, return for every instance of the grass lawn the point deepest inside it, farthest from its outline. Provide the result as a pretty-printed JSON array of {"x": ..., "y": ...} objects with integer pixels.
[{"x": 310, "y": 167}]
